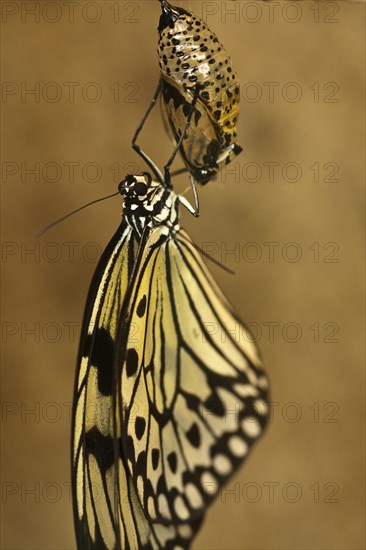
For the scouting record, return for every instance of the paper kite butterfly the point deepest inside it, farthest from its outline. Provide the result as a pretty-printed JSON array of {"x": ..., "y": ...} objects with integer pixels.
[{"x": 167, "y": 402}]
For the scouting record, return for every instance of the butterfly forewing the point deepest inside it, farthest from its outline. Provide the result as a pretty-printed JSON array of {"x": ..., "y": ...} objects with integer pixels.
[
  {"x": 107, "y": 509},
  {"x": 193, "y": 397},
  {"x": 93, "y": 460}
]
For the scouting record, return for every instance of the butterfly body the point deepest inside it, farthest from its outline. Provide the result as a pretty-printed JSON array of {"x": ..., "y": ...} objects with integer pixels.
[
  {"x": 193, "y": 61},
  {"x": 167, "y": 401}
]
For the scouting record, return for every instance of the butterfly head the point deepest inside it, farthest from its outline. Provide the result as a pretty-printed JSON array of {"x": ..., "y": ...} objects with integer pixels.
[{"x": 136, "y": 187}]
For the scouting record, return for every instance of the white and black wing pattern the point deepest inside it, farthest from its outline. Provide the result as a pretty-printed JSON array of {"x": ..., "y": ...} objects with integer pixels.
[
  {"x": 93, "y": 437},
  {"x": 167, "y": 401},
  {"x": 107, "y": 512},
  {"x": 193, "y": 397}
]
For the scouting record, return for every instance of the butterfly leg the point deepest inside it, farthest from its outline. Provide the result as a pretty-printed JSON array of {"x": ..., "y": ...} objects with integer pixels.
[
  {"x": 137, "y": 148},
  {"x": 195, "y": 210},
  {"x": 193, "y": 186},
  {"x": 179, "y": 171}
]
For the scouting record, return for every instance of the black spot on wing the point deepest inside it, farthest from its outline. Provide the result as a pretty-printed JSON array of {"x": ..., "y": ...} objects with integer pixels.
[
  {"x": 193, "y": 402},
  {"x": 141, "y": 464},
  {"x": 197, "y": 116},
  {"x": 101, "y": 447},
  {"x": 132, "y": 361},
  {"x": 155, "y": 455},
  {"x": 130, "y": 449},
  {"x": 102, "y": 359},
  {"x": 172, "y": 460},
  {"x": 140, "y": 425},
  {"x": 215, "y": 405},
  {"x": 194, "y": 436},
  {"x": 141, "y": 308}
]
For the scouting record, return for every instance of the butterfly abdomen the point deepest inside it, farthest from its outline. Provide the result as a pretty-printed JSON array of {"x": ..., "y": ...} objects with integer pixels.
[{"x": 193, "y": 61}]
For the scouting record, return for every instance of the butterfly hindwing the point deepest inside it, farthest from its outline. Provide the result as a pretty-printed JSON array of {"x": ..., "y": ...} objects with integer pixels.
[
  {"x": 193, "y": 396},
  {"x": 201, "y": 145}
]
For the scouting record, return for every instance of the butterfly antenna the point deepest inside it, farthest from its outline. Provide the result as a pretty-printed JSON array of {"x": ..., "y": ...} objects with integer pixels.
[
  {"x": 199, "y": 249},
  {"x": 56, "y": 222},
  {"x": 219, "y": 264}
]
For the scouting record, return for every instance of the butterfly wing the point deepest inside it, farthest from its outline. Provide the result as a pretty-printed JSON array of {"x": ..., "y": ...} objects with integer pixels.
[
  {"x": 202, "y": 144},
  {"x": 193, "y": 390},
  {"x": 107, "y": 511},
  {"x": 93, "y": 436}
]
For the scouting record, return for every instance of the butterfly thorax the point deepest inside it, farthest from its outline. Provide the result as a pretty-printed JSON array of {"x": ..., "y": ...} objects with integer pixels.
[{"x": 148, "y": 203}]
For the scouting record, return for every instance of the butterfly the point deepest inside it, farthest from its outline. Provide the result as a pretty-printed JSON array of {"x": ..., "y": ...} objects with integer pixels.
[
  {"x": 168, "y": 402},
  {"x": 194, "y": 63}
]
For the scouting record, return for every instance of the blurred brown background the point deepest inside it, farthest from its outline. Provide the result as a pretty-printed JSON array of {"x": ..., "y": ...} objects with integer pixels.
[{"x": 291, "y": 210}]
